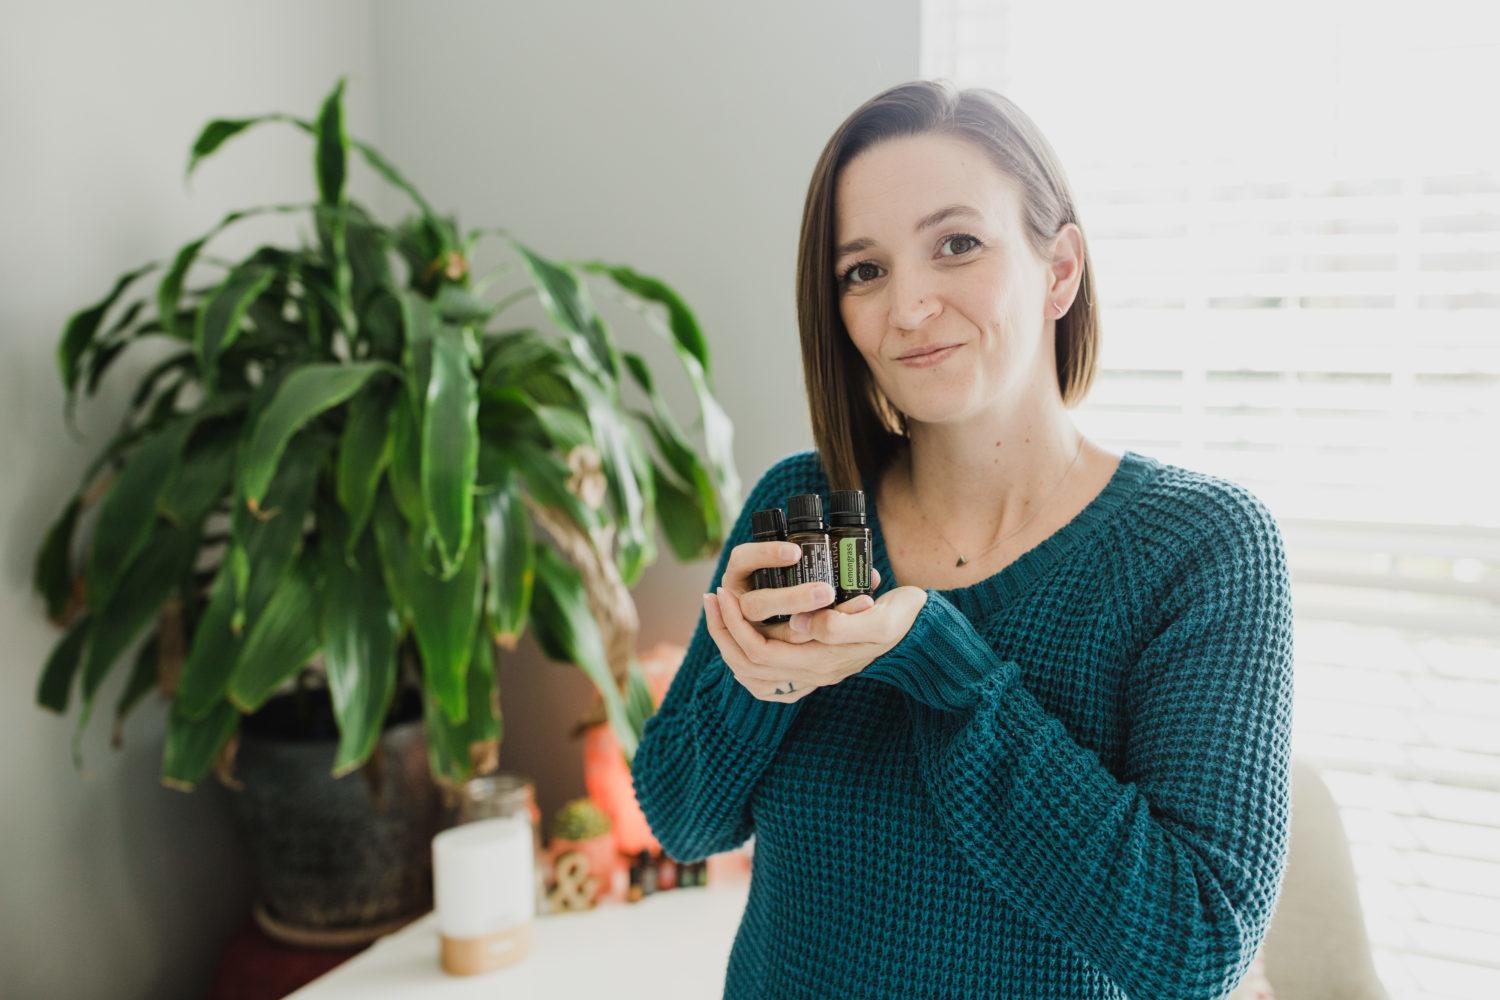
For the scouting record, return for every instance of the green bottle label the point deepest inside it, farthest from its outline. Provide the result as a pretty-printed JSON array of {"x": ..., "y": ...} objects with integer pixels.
[{"x": 849, "y": 574}]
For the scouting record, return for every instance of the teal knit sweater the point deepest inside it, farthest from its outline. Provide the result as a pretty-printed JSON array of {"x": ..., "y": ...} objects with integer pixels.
[{"x": 1068, "y": 780}]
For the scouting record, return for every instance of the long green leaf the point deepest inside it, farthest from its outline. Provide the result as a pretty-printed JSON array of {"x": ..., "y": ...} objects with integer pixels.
[
  {"x": 304, "y": 394},
  {"x": 359, "y": 626},
  {"x": 52, "y": 572},
  {"x": 205, "y": 671},
  {"x": 509, "y": 560},
  {"x": 462, "y": 307},
  {"x": 217, "y": 132},
  {"x": 687, "y": 339},
  {"x": 169, "y": 292},
  {"x": 511, "y": 356},
  {"x": 686, "y": 334},
  {"x": 282, "y": 639},
  {"x": 112, "y": 344},
  {"x": 680, "y": 513},
  {"x": 545, "y": 475},
  {"x": 221, "y": 316},
  {"x": 566, "y": 300},
  {"x": 78, "y": 336},
  {"x": 62, "y": 666},
  {"x": 192, "y": 744},
  {"x": 443, "y": 613},
  {"x": 332, "y": 147},
  {"x": 131, "y": 609},
  {"x": 405, "y": 469},
  {"x": 181, "y": 361},
  {"x": 367, "y": 243},
  {"x": 381, "y": 323},
  {"x": 204, "y": 477},
  {"x": 364, "y": 452},
  {"x": 143, "y": 678},
  {"x": 129, "y": 508},
  {"x": 695, "y": 517},
  {"x": 450, "y": 447},
  {"x": 386, "y": 169},
  {"x": 265, "y": 546},
  {"x": 566, "y": 631},
  {"x": 420, "y": 323},
  {"x": 331, "y": 160},
  {"x": 453, "y": 749}
]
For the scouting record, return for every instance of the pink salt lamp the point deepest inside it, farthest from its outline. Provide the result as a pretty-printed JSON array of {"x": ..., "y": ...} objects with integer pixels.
[{"x": 605, "y": 773}]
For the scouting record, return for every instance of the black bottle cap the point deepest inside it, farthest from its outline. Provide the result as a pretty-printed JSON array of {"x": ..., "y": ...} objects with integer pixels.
[
  {"x": 806, "y": 512},
  {"x": 847, "y": 508},
  {"x": 768, "y": 523}
]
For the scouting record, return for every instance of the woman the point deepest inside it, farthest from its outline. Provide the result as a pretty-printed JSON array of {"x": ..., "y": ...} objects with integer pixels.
[{"x": 1050, "y": 758}]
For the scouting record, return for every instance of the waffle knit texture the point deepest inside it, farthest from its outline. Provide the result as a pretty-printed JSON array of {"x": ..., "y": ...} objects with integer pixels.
[{"x": 1068, "y": 780}]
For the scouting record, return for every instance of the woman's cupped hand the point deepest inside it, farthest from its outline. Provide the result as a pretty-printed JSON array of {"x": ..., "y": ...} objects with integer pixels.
[{"x": 820, "y": 646}]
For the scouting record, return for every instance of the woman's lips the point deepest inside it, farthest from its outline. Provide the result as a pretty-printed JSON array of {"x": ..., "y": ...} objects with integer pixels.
[{"x": 931, "y": 359}]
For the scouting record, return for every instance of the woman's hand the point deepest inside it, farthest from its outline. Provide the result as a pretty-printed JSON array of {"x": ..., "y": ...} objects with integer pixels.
[{"x": 779, "y": 663}]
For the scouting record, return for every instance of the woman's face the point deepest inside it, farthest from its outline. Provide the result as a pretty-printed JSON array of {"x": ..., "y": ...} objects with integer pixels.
[{"x": 968, "y": 279}]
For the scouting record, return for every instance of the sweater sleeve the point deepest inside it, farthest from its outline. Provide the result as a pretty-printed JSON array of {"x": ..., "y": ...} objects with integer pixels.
[
  {"x": 1166, "y": 874},
  {"x": 704, "y": 749}
]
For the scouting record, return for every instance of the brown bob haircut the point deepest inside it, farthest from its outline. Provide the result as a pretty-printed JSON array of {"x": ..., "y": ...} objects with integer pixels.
[{"x": 855, "y": 426}]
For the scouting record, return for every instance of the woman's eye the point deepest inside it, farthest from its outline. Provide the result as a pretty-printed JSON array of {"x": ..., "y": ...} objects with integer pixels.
[
  {"x": 961, "y": 236},
  {"x": 847, "y": 277}
]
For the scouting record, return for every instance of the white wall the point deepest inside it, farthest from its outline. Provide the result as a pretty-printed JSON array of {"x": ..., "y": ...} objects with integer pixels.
[
  {"x": 112, "y": 885},
  {"x": 674, "y": 136}
]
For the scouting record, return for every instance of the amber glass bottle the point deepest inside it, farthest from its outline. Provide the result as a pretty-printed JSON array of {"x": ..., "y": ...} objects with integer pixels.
[
  {"x": 769, "y": 525},
  {"x": 849, "y": 544},
  {"x": 806, "y": 529}
]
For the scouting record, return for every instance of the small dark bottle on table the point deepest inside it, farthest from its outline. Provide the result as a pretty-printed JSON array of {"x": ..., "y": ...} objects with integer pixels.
[{"x": 849, "y": 544}]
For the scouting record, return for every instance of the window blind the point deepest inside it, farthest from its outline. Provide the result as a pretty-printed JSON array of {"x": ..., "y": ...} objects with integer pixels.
[{"x": 1320, "y": 323}]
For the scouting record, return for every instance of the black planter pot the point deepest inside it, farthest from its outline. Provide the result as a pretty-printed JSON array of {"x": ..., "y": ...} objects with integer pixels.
[{"x": 336, "y": 861}]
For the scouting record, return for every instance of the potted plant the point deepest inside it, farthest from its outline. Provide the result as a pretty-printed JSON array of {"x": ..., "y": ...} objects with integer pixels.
[
  {"x": 581, "y": 825},
  {"x": 316, "y": 519}
]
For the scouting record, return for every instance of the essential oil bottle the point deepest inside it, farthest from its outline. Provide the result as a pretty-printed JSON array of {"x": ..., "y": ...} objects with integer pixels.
[
  {"x": 849, "y": 543},
  {"x": 807, "y": 530},
  {"x": 769, "y": 525},
  {"x": 648, "y": 872}
]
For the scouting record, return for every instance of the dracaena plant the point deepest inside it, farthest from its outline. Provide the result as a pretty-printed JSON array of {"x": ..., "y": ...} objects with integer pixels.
[{"x": 333, "y": 466}]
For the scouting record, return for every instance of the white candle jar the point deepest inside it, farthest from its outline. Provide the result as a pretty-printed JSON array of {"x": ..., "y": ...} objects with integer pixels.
[{"x": 483, "y": 882}]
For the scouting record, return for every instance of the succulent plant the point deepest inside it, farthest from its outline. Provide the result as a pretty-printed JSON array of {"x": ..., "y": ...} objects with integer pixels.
[{"x": 580, "y": 819}]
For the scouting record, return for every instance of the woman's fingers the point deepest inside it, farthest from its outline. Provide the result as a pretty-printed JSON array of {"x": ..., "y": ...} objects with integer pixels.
[
  {"x": 747, "y": 557},
  {"x": 784, "y": 632},
  {"x": 758, "y": 683},
  {"x": 798, "y": 624},
  {"x": 733, "y": 655},
  {"x": 758, "y": 605},
  {"x": 791, "y": 663},
  {"x": 856, "y": 604}
]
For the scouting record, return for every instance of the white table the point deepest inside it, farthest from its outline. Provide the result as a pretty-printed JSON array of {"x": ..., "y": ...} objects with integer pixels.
[{"x": 669, "y": 945}]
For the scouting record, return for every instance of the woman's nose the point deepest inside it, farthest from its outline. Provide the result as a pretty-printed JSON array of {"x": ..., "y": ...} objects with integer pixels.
[{"x": 912, "y": 303}]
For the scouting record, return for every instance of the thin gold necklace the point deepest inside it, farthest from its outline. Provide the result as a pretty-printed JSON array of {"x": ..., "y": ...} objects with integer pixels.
[{"x": 911, "y": 487}]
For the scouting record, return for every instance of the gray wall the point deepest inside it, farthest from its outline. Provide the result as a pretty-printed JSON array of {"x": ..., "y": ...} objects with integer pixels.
[{"x": 676, "y": 137}]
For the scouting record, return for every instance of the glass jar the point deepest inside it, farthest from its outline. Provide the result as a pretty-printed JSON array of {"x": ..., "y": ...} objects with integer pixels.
[{"x": 502, "y": 794}]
